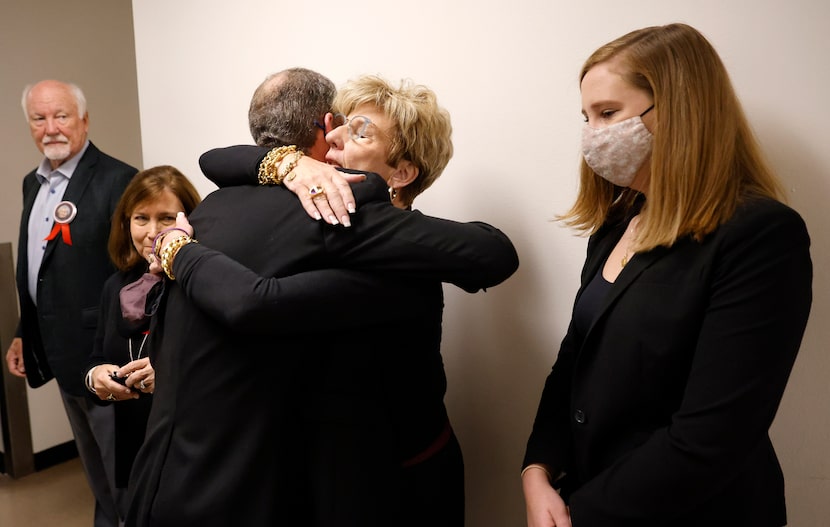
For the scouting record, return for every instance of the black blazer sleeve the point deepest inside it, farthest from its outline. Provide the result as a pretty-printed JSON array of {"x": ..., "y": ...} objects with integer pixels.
[
  {"x": 470, "y": 255},
  {"x": 550, "y": 441},
  {"x": 238, "y": 298},
  {"x": 233, "y": 165},
  {"x": 404, "y": 246},
  {"x": 97, "y": 357}
]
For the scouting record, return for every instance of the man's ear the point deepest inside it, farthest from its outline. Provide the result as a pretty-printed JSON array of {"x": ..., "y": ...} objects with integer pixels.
[
  {"x": 328, "y": 121},
  {"x": 405, "y": 173},
  {"x": 320, "y": 147}
]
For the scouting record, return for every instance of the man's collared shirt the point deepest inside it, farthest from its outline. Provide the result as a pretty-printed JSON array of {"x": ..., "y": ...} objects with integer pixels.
[{"x": 53, "y": 184}]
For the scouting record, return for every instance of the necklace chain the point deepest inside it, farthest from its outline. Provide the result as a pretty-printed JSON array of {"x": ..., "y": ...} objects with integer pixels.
[
  {"x": 140, "y": 348},
  {"x": 632, "y": 228}
]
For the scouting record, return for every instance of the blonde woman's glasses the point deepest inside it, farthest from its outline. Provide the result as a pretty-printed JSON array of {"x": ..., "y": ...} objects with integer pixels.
[{"x": 356, "y": 125}]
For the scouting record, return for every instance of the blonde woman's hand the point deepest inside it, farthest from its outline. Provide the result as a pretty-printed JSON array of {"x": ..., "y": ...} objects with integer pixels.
[
  {"x": 336, "y": 201},
  {"x": 545, "y": 507}
]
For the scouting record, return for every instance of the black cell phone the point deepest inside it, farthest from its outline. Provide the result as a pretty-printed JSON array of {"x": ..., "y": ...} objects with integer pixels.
[{"x": 120, "y": 380}]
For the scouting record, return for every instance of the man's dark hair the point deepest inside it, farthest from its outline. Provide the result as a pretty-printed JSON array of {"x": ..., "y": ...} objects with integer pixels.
[{"x": 285, "y": 106}]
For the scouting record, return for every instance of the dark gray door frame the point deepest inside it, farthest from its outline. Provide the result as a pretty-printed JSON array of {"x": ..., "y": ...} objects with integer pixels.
[{"x": 18, "y": 455}]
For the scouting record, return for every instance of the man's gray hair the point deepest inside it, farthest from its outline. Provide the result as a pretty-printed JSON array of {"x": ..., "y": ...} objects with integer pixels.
[
  {"x": 286, "y": 105},
  {"x": 74, "y": 89}
]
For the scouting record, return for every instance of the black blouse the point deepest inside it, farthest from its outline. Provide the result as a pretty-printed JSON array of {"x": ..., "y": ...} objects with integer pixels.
[{"x": 114, "y": 338}]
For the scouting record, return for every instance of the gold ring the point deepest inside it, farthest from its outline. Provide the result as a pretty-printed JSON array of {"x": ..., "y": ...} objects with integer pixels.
[
  {"x": 110, "y": 397},
  {"x": 316, "y": 192}
]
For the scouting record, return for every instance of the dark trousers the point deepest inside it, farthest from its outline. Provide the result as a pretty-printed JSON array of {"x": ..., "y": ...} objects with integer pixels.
[
  {"x": 93, "y": 427},
  {"x": 432, "y": 492}
]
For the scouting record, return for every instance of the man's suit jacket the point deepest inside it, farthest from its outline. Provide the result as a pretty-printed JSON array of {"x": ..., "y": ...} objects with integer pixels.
[
  {"x": 58, "y": 333},
  {"x": 223, "y": 432},
  {"x": 660, "y": 414}
]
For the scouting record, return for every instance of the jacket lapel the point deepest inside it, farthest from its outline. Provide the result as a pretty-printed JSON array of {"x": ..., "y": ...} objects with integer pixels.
[
  {"x": 633, "y": 269},
  {"x": 75, "y": 190},
  {"x": 82, "y": 176},
  {"x": 28, "y": 203},
  {"x": 626, "y": 278}
]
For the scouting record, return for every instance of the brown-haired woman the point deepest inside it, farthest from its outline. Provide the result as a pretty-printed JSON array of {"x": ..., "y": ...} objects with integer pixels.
[{"x": 119, "y": 368}]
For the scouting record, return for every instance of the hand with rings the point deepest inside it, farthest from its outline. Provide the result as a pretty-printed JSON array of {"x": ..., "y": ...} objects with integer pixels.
[
  {"x": 317, "y": 192},
  {"x": 331, "y": 198},
  {"x": 142, "y": 375},
  {"x": 108, "y": 388}
]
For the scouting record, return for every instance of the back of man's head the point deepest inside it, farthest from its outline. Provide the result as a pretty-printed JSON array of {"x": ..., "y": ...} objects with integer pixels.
[{"x": 286, "y": 105}]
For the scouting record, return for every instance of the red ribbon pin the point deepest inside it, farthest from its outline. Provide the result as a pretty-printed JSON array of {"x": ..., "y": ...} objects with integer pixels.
[{"x": 65, "y": 212}]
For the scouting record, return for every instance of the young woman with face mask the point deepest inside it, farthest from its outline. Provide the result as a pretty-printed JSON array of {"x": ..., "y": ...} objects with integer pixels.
[{"x": 695, "y": 294}]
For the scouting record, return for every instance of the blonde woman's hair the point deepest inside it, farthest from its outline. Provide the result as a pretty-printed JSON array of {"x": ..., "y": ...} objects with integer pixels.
[
  {"x": 705, "y": 158},
  {"x": 422, "y": 129}
]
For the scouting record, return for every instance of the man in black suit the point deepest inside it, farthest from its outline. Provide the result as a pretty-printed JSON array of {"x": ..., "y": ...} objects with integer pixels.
[
  {"x": 246, "y": 422},
  {"x": 62, "y": 264}
]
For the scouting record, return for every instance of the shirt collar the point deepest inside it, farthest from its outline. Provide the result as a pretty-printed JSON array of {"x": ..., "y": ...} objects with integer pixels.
[{"x": 67, "y": 168}]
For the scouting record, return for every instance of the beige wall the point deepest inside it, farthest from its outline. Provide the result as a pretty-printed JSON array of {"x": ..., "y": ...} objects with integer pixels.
[
  {"x": 89, "y": 42},
  {"x": 507, "y": 73},
  {"x": 506, "y": 70}
]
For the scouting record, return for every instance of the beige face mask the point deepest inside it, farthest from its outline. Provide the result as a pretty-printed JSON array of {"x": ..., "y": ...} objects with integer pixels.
[{"x": 618, "y": 151}]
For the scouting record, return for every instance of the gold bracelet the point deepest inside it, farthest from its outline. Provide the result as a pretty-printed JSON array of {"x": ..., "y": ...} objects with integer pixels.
[
  {"x": 291, "y": 165},
  {"x": 268, "y": 173},
  {"x": 170, "y": 251}
]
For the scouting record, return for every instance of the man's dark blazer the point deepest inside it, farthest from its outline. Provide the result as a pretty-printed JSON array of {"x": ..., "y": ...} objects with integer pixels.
[
  {"x": 223, "y": 433},
  {"x": 660, "y": 414},
  {"x": 58, "y": 333}
]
